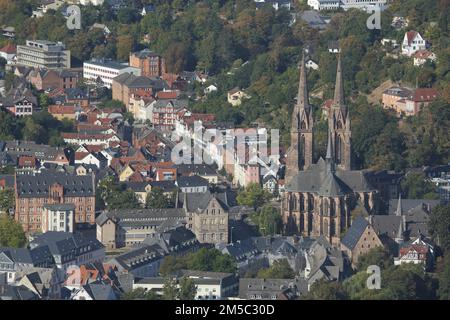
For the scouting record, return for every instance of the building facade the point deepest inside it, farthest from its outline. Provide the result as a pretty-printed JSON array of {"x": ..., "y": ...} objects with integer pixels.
[
  {"x": 43, "y": 54},
  {"x": 319, "y": 196},
  {"x": 34, "y": 191}
]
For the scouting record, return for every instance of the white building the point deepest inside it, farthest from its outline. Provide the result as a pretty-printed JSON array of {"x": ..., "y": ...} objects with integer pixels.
[
  {"x": 412, "y": 42},
  {"x": 210, "y": 285},
  {"x": 310, "y": 64},
  {"x": 345, "y": 4},
  {"x": 43, "y": 54},
  {"x": 102, "y": 72},
  {"x": 324, "y": 4},
  {"x": 58, "y": 217}
]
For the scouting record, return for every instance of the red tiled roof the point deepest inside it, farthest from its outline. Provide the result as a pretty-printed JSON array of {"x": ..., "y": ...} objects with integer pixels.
[
  {"x": 27, "y": 161},
  {"x": 327, "y": 104},
  {"x": 410, "y": 35},
  {"x": 9, "y": 49},
  {"x": 424, "y": 95},
  {"x": 423, "y": 54},
  {"x": 168, "y": 94},
  {"x": 422, "y": 249},
  {"x": 61, "y": 109}
]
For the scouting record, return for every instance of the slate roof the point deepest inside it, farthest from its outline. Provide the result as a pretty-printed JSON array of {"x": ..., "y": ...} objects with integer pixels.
[
  {"x": 355, "y": 232},
  {"x": 191, "y": 181},
  {"x": 99, "y": 291},
  {"x": 138, "y": 257},
  {"x": 141, "y": 216},
  {"x": 9, "y": 292},
  {"x": 40, "y": 151},
  {"x": 132, "y": 81},
  {"x": 198, "y": 169},
  {"x": 38, "y": 184},
  {"x": 65, "y": 243},
  {"x": 198, "y": 201},
  {"x": 316, "y": 179},
  {"x": 60, "y": 207},
  {"x": 270, "y": 289}
]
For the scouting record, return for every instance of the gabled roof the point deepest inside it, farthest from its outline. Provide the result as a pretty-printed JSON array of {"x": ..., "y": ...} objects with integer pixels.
[
  {"x": 191, "y": 181},
  {"x": 355, "y": 232}
]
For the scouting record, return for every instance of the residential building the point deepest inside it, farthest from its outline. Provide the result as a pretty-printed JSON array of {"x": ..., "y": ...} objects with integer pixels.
[
  {"x": 125, "y": 228},
  {"x": 51, "y": 79},
  {"x": 20, "y": 101},
  {"x": 127, "y": 85},
  {"x": 142, "y": 261},
  {"x": 102, "y": 72},
  {"x": 43, "y": 54},
  {"x": 150, "y": 63},
  {"x": 43, "y": 153},
  {"x": 271, "y": 289},
  {"x": 58, "y": 217},
  {"x": 8, "y": 52},
  {"x": 408, "y": 102},
  {"x": 209, "y": 285},
  {"x": 34, "y": 191},
  {"x": 69, "y": 249},
  {"x": 202, "y": 170},
  {"x": 164, "y": 113},
  {"x": 422, "y": 56},
  {"x": 412, "y": 42},
  {"x": 189, "y": 184},
  {"x": 276, "y": 4},
  {"x": 235, "y": 96}
]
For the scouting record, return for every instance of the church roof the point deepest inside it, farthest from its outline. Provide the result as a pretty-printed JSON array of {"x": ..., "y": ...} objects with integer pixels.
[{"x": 316, "y": 179}]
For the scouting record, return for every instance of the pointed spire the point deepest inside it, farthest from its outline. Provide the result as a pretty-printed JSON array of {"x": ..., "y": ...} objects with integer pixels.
[
  {"x": 302, "y": 96},
  {"x": 329, "y": 157},
  {"x": 399, "y": 205},
  {"x": 339, "y": 87}
]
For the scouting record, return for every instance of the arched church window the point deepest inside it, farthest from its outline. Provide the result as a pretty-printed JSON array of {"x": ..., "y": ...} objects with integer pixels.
[
  {"x": 339, "y": 149},
  {"x": 303, "y": 124}
]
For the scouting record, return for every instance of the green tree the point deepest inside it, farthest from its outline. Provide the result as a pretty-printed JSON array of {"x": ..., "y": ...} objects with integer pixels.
[
  {"x": 139, "y": 294},
  {"x": 416, "y": 186},
  {"x": 187, "y": 289},
  {"x": 439, "y": 225},
  {"x": 444, "y": 279},
  {"x": 325, "y": 290},
  {"x": 280, "y": 269},
  {"x": 172, "y": 264},
  {"x": 253, "y": 196},
  {"x": 268, "y": 220},
  {"x": 11, "y": 233},
  {"x": 156, "y": 199},
  {"x": 170, "y": 289},
  {"x": 379, "y": 256},
  {"x": 210, "y": 260},
  {"x": 6, "y": 199}
]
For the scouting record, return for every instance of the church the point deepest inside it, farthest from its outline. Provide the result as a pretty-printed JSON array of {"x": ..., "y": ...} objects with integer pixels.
[{"x": 319, "y": 197}]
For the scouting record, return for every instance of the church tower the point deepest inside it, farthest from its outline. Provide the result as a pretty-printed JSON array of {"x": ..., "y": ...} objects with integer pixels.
[
  {"x": 339, "y": 124},
  {"x": 300, "y": 153}
]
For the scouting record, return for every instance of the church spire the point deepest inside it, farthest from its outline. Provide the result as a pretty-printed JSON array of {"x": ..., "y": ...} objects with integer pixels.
[
  {"x": 339, "y": 87},
  {"x": 302, "y": 96},
  {"x": 329, "y": 157},
  {"x": 399, "y": 205}
]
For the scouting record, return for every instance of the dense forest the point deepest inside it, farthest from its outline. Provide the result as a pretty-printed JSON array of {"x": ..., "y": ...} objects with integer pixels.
[{"x": 259, "y": 50}]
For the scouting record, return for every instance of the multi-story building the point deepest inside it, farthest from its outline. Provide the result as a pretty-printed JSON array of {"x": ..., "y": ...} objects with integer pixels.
[
  {"x": 43, "y": 54},
  {"x": 164, "y": 113},
  {"x": 54, "y": 79},
  {"x": 345, "y": 4},
  {"x": 150, "y": 63},
  {"x": 102, "y": 72},
  {"x": 58, "y": 217},
  {"x": 408, "y": 102},
  {"x": 34, "y": 191},
  {"x": 412, "y": 42},
  {"x": 127, "y": 85}
]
